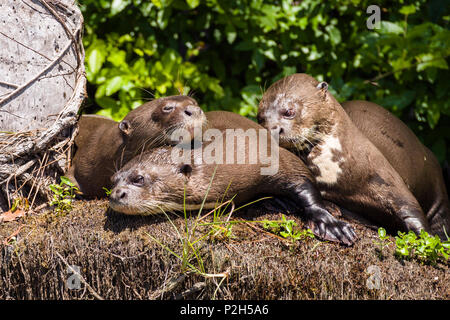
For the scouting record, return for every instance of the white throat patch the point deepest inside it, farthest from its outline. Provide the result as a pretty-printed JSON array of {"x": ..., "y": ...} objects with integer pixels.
[{"x": 329, "y": 168}]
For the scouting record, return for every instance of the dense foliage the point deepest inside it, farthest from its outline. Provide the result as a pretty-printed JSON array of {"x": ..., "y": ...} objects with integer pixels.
[{"x": 227, "y": 52}]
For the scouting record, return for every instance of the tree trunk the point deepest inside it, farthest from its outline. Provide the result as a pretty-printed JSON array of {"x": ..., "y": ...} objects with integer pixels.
[{"x": 42, "y": 86}]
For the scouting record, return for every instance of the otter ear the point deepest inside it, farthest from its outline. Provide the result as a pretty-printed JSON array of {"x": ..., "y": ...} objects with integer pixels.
[
  {"x": 186, "y": 169},
  {"x": 125, "y": 126},
  {"x": 323, "y": 85}
]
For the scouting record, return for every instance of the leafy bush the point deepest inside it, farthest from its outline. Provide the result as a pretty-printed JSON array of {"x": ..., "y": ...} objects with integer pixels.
[
  {"x": 286, "y": 229},
  {"x": 227, "y": 52},
  {"x": 63, "y": 195},
  {"x": 423, "y": 247}
]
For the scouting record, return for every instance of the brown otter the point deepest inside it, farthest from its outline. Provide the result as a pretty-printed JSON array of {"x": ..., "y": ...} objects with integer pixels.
[
  {"x": 103, "y": 145},
  {"x": 415, "y": 163},
  {"x": 155, "y": 181},
  {"x": 349, "y": 168}
]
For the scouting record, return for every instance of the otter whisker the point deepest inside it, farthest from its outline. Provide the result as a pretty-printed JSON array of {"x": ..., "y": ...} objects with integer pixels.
[{"x": 147, "y": 91}]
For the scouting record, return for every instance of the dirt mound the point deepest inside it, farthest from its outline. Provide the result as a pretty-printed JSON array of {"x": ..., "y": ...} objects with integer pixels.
[{"x": 117, "y": 259}]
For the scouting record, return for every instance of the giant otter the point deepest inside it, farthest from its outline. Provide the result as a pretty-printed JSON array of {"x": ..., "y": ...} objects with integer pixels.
[
  {"x": 103, "y": 145},
  {"x": 155, "y": 181},
  {"x": 349, "y": 169}
]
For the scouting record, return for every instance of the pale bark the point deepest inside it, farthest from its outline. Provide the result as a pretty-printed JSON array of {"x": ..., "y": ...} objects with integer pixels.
[{"x": 42, "y": 86}]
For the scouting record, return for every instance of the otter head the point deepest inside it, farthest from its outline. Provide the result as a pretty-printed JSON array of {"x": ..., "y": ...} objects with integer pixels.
[
  {"x": 297, "y": 108},
  {"x": 152, "y": 124},
  {"x": 150, "y": 183}
]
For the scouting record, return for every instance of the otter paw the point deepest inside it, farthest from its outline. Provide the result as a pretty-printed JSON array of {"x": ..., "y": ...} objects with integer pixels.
[{"x": 326, "y": 227}]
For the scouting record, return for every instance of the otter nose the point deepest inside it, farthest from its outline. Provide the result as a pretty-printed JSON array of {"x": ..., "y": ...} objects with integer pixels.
[
  {"x": 119, "y": 194},
  {"x": 191, "y": 110},
  {"x": 278, "y": 129}
]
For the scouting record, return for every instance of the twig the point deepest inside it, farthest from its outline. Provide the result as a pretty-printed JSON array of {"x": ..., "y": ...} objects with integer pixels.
[
  {"x": 91, "y": 290},
  {"x": 15, "y": 233},
  {"x": 267, "y": 232},
  {"x": 9, "y": 84},
  {"x": 39, "y": 180},
  {"x": 226, "y": 202},
  {"x": 172, "y": 285},
  {"x": 40, "y": 207},
  {"x": 68, "y": 32},
  {"x": 10, "y": 113},
  {"x": 194, "y": 289},
  {"x": 35, "y": 51},
  {"x": 20, "y": 170}
]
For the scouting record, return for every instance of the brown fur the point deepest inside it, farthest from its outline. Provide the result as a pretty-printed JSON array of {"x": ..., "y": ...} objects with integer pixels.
[
  {"x": 103, "y": 145},
  {"x": 154, "y": 181},
  {"x": 349, "y": 169},
  {"x": 415, "y": 163}
]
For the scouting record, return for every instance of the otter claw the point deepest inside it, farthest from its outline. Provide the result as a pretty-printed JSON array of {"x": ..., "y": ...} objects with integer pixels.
[{"x": 326, "y": 227}]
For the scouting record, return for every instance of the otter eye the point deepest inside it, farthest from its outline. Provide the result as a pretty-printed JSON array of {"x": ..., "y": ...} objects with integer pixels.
[
  {"x": 138, "y": 180},
  {"x": 168, "y": 108},
  {"x": 323, "y": 85},
  {"x": 289, "y": 113}
]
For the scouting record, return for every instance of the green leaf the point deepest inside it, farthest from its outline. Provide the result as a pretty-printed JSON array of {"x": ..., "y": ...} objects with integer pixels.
[
  {"x": 118, "y": 5},
  {"x": 245, "y": 45},
  {"x": 65, "y": 180},
  {"x": 157, "y": 3},
  {"x": 193, "y": 3},
  {"x": 335, "y": 34},
  {"x": 117, "y": 58},
  {"x": 399, "y": 101},
  {"x": 382, "y": 232},
  {"x": 268, "y": 20},
  {"x": 55, "y": 189},
  {"x": 251, "y": 95},
  {"x": 230, "y": 32},
  {"x": 303, "y": 22},
  {"x": 113, "y": 85},
  {"x": 284, "y": 234},
  {"x": 406, "y": 10},
  {"x": 433, "y": 115},
  {"x": 95, "y": 60},
  {"x": 215, "y": 87},
  {"x": 106, "y": 102},
  {"x": 427, "y": 60},
  {"x": 390, "y": 28},
  {"x": 403, "y": 251}
]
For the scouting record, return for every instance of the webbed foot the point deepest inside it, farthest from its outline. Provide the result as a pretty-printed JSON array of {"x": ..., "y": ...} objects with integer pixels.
[{"x": 327, "y": 227}]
